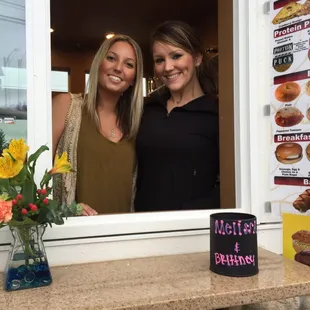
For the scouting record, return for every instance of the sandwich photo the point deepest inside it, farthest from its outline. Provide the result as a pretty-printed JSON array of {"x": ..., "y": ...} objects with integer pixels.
[{"x": 288, "y": 153}]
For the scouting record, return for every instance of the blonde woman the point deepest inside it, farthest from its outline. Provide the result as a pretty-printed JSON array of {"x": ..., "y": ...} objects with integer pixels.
[{"x": 98, "y": 130}]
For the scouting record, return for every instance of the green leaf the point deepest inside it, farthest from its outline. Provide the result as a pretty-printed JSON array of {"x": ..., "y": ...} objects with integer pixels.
[
  {"x": 50, "y": 218},
  {"x": 20, "y": 178},
  {"x": 53, "y": 213},
  {"x": 28, "y": 192},
  {"x": 59, "y": 221},
  {"x": 46, "y": 179},
  {"x": 42, "y": 214},
  {"x": 3, "y": 142},
  {"x": 53, "y": 203},
  {"x": 5, "y": 196},
  {"x": 75, "y": 208},
  {"x": 26, "y": 221},
  {"x": 33, "y": 157},
  {"x": 7, "y": 188},
  {"x": 4, "y": 185},
  {"x": 12, "y": 191},
  {"x": 17, "y": 213}
]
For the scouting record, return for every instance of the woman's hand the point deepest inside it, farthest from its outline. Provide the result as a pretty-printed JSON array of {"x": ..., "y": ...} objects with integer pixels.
[{"x": 87, "y": 210}]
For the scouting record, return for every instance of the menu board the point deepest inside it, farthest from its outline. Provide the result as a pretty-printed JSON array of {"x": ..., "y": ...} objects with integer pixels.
[{"x": 290, "y": 106}]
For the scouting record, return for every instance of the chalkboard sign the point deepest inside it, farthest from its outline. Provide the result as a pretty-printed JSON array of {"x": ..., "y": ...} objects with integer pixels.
[{"x": 233, "y": 244}]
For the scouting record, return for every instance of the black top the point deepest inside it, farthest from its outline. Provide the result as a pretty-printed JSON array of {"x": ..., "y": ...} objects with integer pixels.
[{"x": 178, "y": 156}]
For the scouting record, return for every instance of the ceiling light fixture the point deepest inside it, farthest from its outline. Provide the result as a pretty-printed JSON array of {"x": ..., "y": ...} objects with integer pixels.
[{"x": 110, "y": 35}]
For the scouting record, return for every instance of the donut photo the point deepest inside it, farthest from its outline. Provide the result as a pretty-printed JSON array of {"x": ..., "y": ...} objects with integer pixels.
[
  {"x": 287, "y": 91},
  {"x": 307, "y": 88},
  {"x": 308, "y": 151},
  {"x": 308, "y": 114},
  {"x": 288, "y": 153},
  {"x": 288, "y": 116}
]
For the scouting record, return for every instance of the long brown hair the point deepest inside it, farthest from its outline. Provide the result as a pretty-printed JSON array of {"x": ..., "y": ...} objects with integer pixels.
[
  {"x": 183, "y": 36},
  {"x": 130, "y": 104}
]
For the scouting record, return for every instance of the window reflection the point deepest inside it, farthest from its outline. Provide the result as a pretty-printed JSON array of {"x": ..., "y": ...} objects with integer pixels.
[{"x": 13, "y": 80}]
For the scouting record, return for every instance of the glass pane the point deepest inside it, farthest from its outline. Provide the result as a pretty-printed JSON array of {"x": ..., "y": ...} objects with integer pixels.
[
  {"x": 60, "y": 81},
  {"x": 86, "y": 81},
  {"x": 74, "y": 45},
  {"x": 13, "y": 81}
]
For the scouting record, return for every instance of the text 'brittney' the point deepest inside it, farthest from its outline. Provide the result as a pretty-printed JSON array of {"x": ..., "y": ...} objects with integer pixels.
[{"x": 234, "y": 260}]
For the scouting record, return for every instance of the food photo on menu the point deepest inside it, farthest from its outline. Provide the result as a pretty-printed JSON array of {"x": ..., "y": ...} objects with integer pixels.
[
  {"x": 301, "y": 245},
  {"x": 291, "y": 10},
  {"x": 291, "y": 132},
  {"x": 296, "y": 238}
]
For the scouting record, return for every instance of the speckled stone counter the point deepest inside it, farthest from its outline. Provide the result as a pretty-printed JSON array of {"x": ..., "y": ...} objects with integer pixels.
[{"x": 167, "y": 282}]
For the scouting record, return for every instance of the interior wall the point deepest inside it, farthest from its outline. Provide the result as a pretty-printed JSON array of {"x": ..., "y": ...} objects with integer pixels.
[
  {"x": 226, "y": 103},
  {"x": 77, "y": 63}
]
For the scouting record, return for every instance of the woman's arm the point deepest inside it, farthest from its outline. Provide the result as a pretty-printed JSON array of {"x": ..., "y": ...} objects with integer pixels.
[
  {"x": 60, "y": 108},
  {"x": 87, "y": 210}
]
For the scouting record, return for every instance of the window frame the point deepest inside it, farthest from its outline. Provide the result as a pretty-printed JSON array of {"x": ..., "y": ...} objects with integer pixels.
[{"x": 247, "y": 175}]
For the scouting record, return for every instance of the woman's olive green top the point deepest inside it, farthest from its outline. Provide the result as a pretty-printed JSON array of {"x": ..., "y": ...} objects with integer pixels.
[{"x": 104, "y": 170}]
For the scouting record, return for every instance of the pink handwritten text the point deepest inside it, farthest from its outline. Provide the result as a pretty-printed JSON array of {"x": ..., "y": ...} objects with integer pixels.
[
  {"x": 234, "y": 260},
  {"x": 235, "y": 228}
]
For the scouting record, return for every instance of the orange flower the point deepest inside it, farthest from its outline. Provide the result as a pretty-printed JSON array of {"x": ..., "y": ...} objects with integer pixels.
[{"x": 5, "y": 211}]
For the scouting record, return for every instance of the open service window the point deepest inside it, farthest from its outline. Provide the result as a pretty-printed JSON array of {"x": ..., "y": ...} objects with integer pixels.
[{"x": 235, "y": 33}]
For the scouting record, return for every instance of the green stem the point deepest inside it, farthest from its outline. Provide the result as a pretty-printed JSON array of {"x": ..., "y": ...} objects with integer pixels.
[{"x": 25, "y": 236}]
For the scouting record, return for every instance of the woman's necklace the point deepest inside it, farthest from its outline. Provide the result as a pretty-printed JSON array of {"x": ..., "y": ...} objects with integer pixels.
[{"x": 112, "y": 134}]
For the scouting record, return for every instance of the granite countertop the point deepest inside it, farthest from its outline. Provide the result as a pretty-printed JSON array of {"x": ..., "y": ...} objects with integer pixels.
[{"x": 166, "y": 282}]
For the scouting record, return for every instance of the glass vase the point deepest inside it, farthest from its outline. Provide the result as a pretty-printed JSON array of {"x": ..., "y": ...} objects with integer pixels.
[{"x": 27, "y": 265}]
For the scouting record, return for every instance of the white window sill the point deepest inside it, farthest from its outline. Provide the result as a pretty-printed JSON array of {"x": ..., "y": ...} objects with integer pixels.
[{"x": 96, "y": 249}]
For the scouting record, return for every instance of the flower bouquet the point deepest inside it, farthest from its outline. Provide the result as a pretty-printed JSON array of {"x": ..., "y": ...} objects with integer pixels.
[{"x": 27, "y": 209}]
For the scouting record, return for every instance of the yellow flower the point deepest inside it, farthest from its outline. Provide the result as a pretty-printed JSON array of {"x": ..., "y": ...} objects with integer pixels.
[
  {"x": 8, "y": 167},
  {"x": 61, "y": 165},
  {"x": 18, "y": 149}
]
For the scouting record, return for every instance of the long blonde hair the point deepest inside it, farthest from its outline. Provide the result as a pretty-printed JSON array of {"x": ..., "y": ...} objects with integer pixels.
[{"x": 130, "y": 104}]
